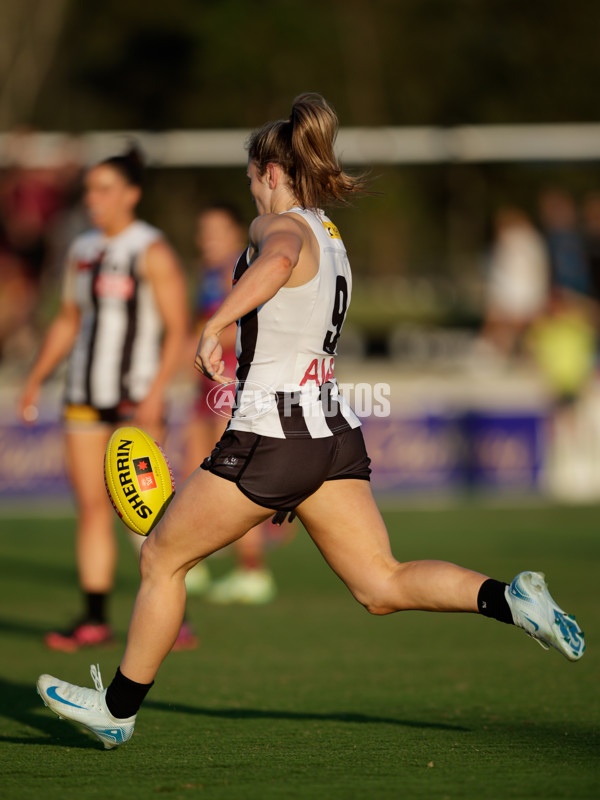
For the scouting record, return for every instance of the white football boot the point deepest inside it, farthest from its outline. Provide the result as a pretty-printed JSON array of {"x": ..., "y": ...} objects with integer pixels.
[
  {"x": 86, "y": 707},
  {"x": 245, "y": 586},
  {"x": 534, "y": 610},
  {"x": 197, "y": 579}
]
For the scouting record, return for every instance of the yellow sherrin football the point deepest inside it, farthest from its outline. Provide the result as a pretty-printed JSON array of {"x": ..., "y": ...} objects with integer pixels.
[{"x": 138, "y": 478}]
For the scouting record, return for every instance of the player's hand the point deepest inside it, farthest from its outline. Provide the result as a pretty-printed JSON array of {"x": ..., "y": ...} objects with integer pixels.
[
  {"x": 28, "y": 404},
  {"x": 209, "y": 358}
]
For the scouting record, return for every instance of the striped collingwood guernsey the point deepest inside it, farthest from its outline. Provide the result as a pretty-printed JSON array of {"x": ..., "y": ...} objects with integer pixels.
[
  {"x": 117, "y": 352},
  {"x": 286, "y": 349}
]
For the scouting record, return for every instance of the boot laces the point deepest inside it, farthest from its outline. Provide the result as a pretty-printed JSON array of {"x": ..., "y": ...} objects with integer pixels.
[{"x": 96, "y": 677}]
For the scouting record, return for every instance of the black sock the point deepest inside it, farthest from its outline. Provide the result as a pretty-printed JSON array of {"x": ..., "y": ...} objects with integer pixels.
[
  {"x": 491, "y": 601},
  {"x": 96, "y": 606},
  {"x": 124, "y": 696}
]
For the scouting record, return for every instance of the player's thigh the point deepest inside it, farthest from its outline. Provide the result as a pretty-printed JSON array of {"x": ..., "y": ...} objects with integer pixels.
[
  {"x": 85, "y": 450},
  {"x": 201, "y": 435},
  {"x": 206, "y": 514},
  {"x": 343, "y": 520}
]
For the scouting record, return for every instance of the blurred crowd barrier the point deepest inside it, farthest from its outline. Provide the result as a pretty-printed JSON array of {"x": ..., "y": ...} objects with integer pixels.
[{"x": 453, "y": 433}]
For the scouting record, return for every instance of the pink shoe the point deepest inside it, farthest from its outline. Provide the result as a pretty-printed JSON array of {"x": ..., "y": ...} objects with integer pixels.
[
  {"x": 84, "y": 634},
  {"x": 186, "y": 639}
]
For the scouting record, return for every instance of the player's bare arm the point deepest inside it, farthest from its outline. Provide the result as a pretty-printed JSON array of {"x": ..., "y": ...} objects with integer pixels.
[
  {"x": 276, "y": 245},
  {"x": 162, "y": 269}
]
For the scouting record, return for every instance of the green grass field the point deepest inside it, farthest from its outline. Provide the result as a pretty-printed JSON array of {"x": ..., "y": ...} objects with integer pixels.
[{"x": 310, "y": 697}]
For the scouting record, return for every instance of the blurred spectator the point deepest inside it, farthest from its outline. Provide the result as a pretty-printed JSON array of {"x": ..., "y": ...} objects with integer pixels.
[
  {"x": 34, "y": 189},
  {"x": 565, "y": 243},
  {"x": 563, "y": 345},
  {"x": 518, "y": 280},
  {"x": 591, "y": 227},
  {"x": 562, "y": 342}
]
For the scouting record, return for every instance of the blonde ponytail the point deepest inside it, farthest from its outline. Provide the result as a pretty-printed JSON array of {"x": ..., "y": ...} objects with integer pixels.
[{"x": 303, "y": 146}]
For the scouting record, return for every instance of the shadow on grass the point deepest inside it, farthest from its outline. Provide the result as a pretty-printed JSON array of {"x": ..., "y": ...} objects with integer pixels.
[
  {"x": 311, "y": 716},
  {"x": 21, "y": 704}
]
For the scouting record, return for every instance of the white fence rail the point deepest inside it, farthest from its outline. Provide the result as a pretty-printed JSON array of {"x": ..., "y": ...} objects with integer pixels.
[{"x": 391, "y": 145}]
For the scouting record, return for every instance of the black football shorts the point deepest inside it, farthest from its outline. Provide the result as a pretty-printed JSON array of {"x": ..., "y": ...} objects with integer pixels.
[{"x": 281, "y": 473}]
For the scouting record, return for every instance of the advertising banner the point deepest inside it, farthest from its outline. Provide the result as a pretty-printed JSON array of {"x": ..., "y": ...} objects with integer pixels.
[{"x": 426, "y": 453}]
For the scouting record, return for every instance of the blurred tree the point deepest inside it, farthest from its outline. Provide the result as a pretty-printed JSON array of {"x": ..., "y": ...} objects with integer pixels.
[
  {"x": 203, "y": 63},
  {"x": 229, "y": 63},
  {"x": 30, "y": 34}
]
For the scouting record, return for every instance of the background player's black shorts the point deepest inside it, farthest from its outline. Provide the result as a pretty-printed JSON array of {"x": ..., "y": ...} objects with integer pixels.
[{"x": 281, "y": 473}]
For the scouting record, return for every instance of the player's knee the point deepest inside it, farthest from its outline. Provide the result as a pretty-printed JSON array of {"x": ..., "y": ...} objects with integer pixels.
[
  {"x": 149, "y": 560},
  {"x": 155, "y": 564},
  {"x": 379, "y": 609},
  {"x": 376, "y": 602},
  {"x": 379, "y": 594}
]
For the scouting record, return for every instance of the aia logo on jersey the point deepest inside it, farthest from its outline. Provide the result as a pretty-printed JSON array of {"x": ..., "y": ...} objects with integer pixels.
[
  {"x": 144, "y": 474},
  {"x": 319, "y": 371},
  {"x": 85, "y": 266},
  {"x": 117, "y": 287}
]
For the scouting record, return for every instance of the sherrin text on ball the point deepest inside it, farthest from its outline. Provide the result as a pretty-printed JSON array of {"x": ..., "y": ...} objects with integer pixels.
[{"x": 138, "y": 478}]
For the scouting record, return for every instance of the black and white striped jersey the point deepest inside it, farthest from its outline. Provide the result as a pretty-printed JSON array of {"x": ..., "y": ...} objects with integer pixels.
[
  {"x": 286, "y": 349},
  {"x": 117, "y": 352}
]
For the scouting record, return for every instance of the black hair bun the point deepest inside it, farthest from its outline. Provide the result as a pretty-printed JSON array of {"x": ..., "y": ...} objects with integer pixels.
[{"x": 130, "y": 165}]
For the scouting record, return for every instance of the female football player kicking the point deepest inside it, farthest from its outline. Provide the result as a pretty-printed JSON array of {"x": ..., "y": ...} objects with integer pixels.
[{"x": 297, "y": 448}]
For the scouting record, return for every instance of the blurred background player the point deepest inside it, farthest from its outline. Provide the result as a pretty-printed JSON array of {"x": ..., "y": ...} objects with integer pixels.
[
  {"x": 591, "y": 235},
  {"x": 563, "y": 344},
  {"x": 123, "y": 321},
  {"x": 566, "y": 246},
  {"x": 221, "y": 236},
  {"x": 518, "y": 281}
]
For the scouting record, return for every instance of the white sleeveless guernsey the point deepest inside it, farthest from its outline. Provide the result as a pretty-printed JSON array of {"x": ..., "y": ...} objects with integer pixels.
[
  {"x": 286, "y": 349},
  {"x": 117, "y": 352}
]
